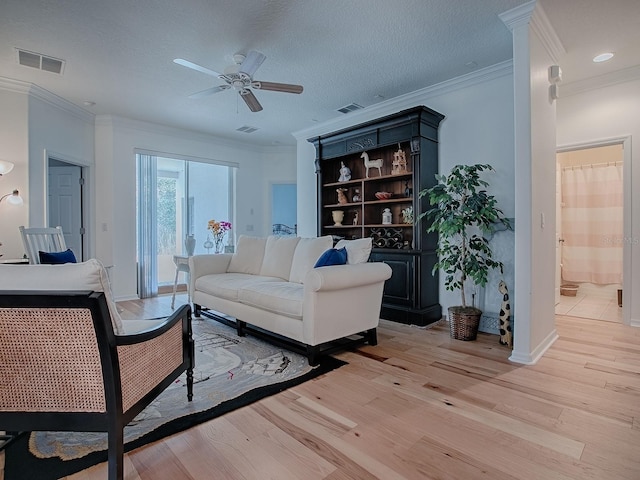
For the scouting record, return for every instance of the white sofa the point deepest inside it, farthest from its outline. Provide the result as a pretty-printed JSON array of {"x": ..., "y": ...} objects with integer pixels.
[{"x": 271, "y": 283}]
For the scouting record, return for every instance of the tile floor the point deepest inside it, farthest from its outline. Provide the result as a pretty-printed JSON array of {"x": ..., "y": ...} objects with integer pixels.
[{"x": 591, "y": 301}]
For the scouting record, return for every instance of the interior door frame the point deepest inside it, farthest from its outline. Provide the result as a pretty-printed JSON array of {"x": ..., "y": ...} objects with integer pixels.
[
  {"x": 85, "y": 168},
  {"x": 627, "y": 228}
]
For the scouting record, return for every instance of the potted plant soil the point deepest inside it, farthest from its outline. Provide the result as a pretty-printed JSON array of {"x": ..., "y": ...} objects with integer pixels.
[{"x": 461, "y": 213}]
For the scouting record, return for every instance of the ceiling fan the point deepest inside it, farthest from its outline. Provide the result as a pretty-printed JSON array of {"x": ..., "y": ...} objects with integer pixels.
[{"x": 240, "y": 77}]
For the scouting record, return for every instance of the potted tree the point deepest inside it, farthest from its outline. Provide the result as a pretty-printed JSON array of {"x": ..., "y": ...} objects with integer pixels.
[{"x": 461, "y": 213}]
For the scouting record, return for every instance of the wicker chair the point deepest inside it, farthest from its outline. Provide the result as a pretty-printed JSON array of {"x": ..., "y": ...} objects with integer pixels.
[{"x": 62, "y": 368}]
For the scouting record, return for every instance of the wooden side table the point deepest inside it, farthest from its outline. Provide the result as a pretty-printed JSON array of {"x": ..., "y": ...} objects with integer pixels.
[{"x": 182, "y": 265}]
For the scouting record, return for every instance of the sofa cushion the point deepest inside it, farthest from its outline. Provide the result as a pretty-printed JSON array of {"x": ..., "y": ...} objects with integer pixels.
[
  {"x": 283, "y": 298},
  {"x": 227, "y": 285},
  {"x": 278, "y": 255},
  {"x": 57, "y": 258},
  {"x": 358, "y": 250},
  {"x": 333, "y": 256},
  {"x": 89, "y": 275},
  {"x": 248, "y": 255},
  {"x": 307, "y": 253}
]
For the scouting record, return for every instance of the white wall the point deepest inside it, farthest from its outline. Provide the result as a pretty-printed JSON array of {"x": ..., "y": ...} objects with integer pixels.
[
  {"x": 116, "y": 141},
  {"x": 604, "y": 113},
  {"x": 14, "y": 148},
  {"x": 32, "y": 123},
  {"x": 542, "y": 330},
  {"x": 65, "y": 132},
  {"x": 478, "y": 128}
]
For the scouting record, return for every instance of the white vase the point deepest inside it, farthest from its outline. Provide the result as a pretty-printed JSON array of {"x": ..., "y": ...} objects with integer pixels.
[
  {"x": 190, "y": 244},
  {"x": 338, "y": 217}
]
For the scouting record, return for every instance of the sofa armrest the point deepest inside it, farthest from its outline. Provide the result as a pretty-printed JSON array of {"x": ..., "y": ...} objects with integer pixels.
[
  {"x": 342, "y": 300},
  {"x": 200, "y": 265},
  {"x": 339, "y": 277}
]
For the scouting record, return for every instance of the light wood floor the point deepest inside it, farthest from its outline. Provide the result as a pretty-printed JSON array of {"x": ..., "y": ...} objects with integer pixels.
[{"x": 422, "y": 406}]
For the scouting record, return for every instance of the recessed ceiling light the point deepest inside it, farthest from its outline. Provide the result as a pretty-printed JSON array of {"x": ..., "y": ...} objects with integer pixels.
[
  {"x": 603, "y": 57},
  {"x": 88, "y": 103}
]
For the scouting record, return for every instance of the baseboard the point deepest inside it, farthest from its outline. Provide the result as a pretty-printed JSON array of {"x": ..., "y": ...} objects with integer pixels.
[{"x": 533, "y": 357}]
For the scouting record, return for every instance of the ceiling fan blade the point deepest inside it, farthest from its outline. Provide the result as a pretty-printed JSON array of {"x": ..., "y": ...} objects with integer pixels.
[
  {"x": 251, "y": 100},
  {"x": 277, "y": 87},
  {"x": 251, "y": 63},
  {"x": 209, "y": 91},
  {"x": 194, "y": 66}
]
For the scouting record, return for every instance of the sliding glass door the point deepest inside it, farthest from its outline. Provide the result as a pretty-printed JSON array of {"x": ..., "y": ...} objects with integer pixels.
[{"x": 176, "y": 198}]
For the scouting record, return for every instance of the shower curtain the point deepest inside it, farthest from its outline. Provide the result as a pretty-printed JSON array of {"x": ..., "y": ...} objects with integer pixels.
[{"x": 592, "y": 224}]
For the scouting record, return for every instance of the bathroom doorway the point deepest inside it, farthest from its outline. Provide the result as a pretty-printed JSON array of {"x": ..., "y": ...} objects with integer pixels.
[{"x": 590, "y": 232}]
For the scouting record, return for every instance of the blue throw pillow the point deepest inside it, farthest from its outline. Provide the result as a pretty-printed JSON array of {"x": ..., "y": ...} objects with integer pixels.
[
  {"x": 332, "y": 256},
  {"x": 57, "y": 258}
]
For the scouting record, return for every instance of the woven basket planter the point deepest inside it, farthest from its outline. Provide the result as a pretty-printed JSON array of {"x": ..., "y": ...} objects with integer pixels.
[{"x": 464, "y": 322}]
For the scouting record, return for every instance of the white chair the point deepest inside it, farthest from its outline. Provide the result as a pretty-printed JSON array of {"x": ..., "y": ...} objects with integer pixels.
[{"x": 42, "y": 239}]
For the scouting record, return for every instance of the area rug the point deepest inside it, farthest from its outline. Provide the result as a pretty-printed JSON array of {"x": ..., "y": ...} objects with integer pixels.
[{"x": 230, "y": 372}]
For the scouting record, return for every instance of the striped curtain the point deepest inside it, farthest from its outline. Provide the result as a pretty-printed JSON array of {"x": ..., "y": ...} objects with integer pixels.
[
  {"x": 147, "y": 235},
  {"x": 592, "y": 224}
]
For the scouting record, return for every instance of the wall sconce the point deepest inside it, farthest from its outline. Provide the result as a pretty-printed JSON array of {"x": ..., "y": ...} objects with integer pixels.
[
  {"x": 5, "y": 167},
  {"x": 13, "y": 198}
]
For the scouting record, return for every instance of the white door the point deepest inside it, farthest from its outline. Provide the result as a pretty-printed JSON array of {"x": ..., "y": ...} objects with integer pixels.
[
  {"x": 65, "y": 204},
  {"x": 559, "y": 239}
]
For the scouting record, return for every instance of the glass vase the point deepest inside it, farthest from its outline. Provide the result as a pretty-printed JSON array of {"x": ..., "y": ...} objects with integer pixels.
[{"x": 219, "y": 245}]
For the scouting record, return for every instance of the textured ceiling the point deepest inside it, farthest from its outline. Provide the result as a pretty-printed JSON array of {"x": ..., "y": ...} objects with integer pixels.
[{"x": 119, "y": 53}]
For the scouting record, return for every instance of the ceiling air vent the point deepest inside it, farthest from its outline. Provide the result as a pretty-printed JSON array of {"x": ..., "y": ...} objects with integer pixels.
[
  {"x": 39, "y": 61},
  {"x": 350, "y": 108},
  {"x": 247, "y": 129}
]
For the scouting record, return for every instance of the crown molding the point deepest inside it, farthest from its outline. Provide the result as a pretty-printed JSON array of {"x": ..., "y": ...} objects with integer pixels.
[
  {"x": 14, "y": 86},
  {"x": 608, "y": 79},
  {"x": 32, "y": 90},
  {"x": 518, "y": 16},
  {"x": 407, "y": 100},
  {"x": 126, "y": 124},
  {"x": 542, "y": 27}
]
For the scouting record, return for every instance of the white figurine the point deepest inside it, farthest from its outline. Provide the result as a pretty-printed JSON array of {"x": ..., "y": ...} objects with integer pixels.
[
  {"x": 377, "y": 163},
  {"x": 386, "y": 217},
  {"x": 345, "y": 173}
]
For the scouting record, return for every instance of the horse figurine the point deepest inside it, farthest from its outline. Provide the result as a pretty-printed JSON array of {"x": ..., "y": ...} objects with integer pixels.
[
  {"x": 505, "y": 315},
  {"x": 372, "y": 163}
]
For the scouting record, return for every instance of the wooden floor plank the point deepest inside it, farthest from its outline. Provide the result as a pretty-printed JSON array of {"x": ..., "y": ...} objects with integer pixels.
[{"x": 423, "y": 406}]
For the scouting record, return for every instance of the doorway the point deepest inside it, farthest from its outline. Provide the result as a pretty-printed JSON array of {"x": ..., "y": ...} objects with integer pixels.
[
  {"x": 590, "y": 232},
  {"x": 65, "y": 191},
  {"x": 284, "y": 209},
  {"x": 178, "y": 197}
]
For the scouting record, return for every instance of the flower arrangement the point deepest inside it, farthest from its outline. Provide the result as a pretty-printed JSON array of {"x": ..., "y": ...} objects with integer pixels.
[{"x": 218, "y": 230}]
